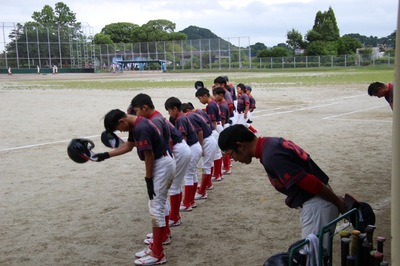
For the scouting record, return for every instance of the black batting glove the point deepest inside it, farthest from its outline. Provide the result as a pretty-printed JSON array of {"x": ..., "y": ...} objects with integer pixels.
[
  {"x": 150, "y": 187},
  {"x": 101, "y": 156}
]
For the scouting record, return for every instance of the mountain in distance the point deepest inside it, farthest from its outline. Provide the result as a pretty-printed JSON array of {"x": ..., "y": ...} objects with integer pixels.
[{"x": 196, "y": 33}]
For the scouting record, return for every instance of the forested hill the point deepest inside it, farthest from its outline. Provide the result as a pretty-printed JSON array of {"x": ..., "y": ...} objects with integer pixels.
[{"x": 195, "y": 33}]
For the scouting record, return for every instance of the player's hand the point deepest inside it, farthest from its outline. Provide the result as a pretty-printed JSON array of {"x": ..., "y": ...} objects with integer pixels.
[
  {"x": 101, "y": 156},
  {"x": 150, "y": 187}
]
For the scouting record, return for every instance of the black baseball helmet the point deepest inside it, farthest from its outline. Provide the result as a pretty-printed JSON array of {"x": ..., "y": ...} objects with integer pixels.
[
  {"x": 111, "y": 140},
  {"x": 198, "y": 84},
  {"x": 79, "y": 150}
]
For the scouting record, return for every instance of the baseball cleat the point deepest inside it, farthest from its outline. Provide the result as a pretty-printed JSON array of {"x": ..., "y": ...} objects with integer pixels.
[
  {"x": 183, "y": 208},
  {"x": 173, "y": 223},
  {"x": 143, "y": 253},
  {"x": 150, "y": 260},
  {"x": 199, "y": 196},
  {"x": 149, "y": 241}
]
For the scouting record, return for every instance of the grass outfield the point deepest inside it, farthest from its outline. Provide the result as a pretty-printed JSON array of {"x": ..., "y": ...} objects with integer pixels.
[{"x": 267, "y": 78}]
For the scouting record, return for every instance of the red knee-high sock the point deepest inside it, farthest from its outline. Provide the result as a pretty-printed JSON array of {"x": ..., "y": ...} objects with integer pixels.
[
  {"x": 194, "y": 190},
  {"x": 157, "y": 246},
  {"x": 226, "y": 161},
  {"x": 187, "y": 198},
  {"x": 218, "y": 168},
  {"x": 205, "y": 179},
  {"x": 175, "y": 204},
  {"x": 209, "y": 184},
  {"x": 167, "y": 230},
  {"x": 180, "y": 197}
]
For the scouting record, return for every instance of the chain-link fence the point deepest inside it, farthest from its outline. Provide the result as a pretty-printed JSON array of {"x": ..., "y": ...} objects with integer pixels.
[{"x": 28, "y": 46}]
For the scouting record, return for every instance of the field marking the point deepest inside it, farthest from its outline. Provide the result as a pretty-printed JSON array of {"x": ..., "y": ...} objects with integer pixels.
[
  {"x": 349, "y": 113},
  {"x": 43, "y": 144},
  {"x": 296, "y": 110},
  {"x": 362, "y": 120},
  {"x": 334, "y": 100},
  {"x": 257, "y": 116}
]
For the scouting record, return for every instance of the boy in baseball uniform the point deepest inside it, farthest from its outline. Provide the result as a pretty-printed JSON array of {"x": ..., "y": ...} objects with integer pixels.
[{"x": 160, "y": 170}]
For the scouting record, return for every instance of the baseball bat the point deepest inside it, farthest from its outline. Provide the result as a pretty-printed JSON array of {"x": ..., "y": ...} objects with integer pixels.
[
  {"x": 344, "y": 245},
  {"x": 369, "y": 230},
  {"x": 354, "y": 245},
  {"x": 379, "y": 243},
  {"x": 365, "y": 256}
]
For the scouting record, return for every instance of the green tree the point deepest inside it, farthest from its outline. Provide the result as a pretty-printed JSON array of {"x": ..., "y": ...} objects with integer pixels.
[
  {"x": 348, "y": 45},
  {"x": 325, "y": 27},
  {"x": 47, "y": 37},
  {"x": 255, "y": 48},
  {"x": 276, "y": 51},
  {"x": 119, "y": 32},
  {"x": 61, "y": 16},
  {"x": 324, "y": 37},
  {"x": 157, "y": 30},
  {"x": 322, "y": 48},
  {"x": 101, "y": 38},
  {"x": 295, "y": 39}
]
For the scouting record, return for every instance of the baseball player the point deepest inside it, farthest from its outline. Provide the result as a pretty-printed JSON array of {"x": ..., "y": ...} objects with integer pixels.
[
  {"x": 291, "y": 171},
  {"x": 221, "y": 82},
  {"x": 160, "y": 170},
  {"x": 143, "y": 106},
  {"x": 174, "y": 107},
  {"x": 214, "y": 113},
  {"x": 223, "y": 106},
  {"x": 189, "y": 107},
  {"x": 252, "y": 106},
  {"x": 209, "y": 145},
  {"x": 231, "y": 89},
  {"x": 243, "y": 105},
  {"x": 379, "y": 90}
]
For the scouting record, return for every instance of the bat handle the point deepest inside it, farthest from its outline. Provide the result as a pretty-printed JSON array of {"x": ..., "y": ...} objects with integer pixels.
[
  {"x": 345, "y": 245},
  {"x": 354, "y": 245},
  {"x": 379, "y": 241}
]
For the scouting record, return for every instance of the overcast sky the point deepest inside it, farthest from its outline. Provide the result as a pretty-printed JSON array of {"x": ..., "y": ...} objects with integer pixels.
[{"x": 265, "y": 21}]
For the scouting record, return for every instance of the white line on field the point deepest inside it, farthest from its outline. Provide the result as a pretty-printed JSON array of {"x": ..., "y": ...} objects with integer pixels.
[
  {"x": 43, "y": 144},
  {"x": 296, "y": 110},
  {"x": 358, "y": 111},
  {"x": 361, "y": 120}
]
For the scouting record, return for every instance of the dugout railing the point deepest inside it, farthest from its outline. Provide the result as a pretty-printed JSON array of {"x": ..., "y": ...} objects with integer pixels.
[{"x": 329, "y": 228}]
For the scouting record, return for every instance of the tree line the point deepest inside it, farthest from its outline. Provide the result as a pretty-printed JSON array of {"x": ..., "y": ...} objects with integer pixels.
[{"x": 60, "y": 25}]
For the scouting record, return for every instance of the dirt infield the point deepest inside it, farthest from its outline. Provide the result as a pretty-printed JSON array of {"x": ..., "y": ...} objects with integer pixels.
[{"x": 56, "y": 212}]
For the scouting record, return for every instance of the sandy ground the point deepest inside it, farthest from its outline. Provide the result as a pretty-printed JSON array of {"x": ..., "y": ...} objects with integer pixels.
[{"x": 56, "y": 212}]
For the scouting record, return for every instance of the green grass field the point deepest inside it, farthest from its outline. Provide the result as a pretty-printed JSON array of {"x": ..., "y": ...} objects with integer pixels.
[{"x": 272, "y": 78}]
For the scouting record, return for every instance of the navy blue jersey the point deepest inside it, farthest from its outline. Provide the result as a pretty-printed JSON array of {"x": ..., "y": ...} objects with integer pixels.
[
  {"x": 223, "y": 106},
  {"x": 205, "y": 116},
  {"x": 252, "y": 102},
  {"x": 147, "y": 136},
  {"x": 228, "y": 97},
  {"x": 199, "y": 124},
  {"x": 159, "y": 120},
  {"x": 183, "y": 124},
  {"x": 389, "y": 95},
  {"x": 242, "y": 102},
  {"x": 231, "y": 90},
  {"x": 213, "y": 111},
  {"x": 286, "y": 164},
  {"x": 176, "y": 135}
]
